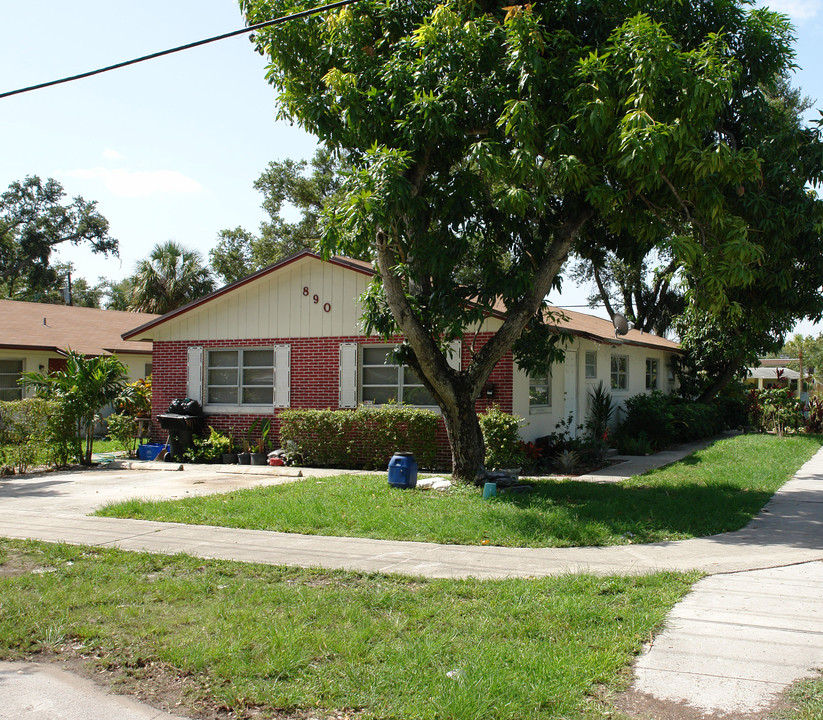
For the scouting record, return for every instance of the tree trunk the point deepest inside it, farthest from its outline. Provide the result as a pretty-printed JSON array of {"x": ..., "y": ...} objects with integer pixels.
[
  {"x": 465, "y": 439},
  {"x": 456, "y": 390},
  {"x": 722, "y": 379}
]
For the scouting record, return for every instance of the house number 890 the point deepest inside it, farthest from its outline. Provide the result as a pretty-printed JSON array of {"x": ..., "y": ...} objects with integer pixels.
[{"x": 316, "y": 299}]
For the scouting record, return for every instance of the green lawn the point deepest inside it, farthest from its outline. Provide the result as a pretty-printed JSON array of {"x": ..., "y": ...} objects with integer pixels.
[
  {"x": 715, "y": 490},
  {"x": 306, "y": 643}
]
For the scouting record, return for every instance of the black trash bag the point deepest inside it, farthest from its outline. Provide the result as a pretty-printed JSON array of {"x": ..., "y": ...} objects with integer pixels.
[{"x": 185, "y": 406}]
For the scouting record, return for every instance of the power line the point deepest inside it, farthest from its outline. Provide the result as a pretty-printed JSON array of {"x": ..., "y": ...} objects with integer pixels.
[{"x": 189, "y": 46}]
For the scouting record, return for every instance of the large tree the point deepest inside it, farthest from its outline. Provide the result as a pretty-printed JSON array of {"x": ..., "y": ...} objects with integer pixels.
[
  {"x": 784, "y": 216},
  {"x": 288, "y": 187},
  {"x": 34, "y": 221},
  {"x": 486, "y": 140},
  {"x": 645, "y": 290},
  {"x": 171, "y": 276}
]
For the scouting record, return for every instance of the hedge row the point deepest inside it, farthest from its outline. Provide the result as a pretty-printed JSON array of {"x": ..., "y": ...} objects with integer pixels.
[
  {"x": 661, "y": 420},
  {"x": 363, "y": 438}
]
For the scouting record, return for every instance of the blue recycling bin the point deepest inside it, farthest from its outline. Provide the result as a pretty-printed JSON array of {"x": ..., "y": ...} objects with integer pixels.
[
  {"x": 150, "y": 451},
  {"x": 403, "y": 470}
]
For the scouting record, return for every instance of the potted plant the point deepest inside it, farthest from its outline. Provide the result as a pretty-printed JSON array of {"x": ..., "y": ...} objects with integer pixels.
[
  {"x": 260, "y": 457},
  {"x": 134, "y": 401},
  {"x": 221, "y": 444},
  {"x": 244, "y": 458}
]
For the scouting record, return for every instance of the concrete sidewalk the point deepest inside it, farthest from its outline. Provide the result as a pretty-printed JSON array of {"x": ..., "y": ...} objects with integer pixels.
[{"x": 788, "y": 532}]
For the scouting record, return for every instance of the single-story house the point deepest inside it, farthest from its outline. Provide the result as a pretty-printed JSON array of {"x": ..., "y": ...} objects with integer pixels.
[
  {"x": 290, "y": 336},
  {"x": 35, "y": 337},
  {"x": 774, "y": 372}
]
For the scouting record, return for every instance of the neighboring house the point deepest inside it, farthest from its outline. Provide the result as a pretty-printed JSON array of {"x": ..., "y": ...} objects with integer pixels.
[
  {"x": 34, "y": 337},
  {"x": 290, "y": 336},
  {"x": 768, "y": 376}
]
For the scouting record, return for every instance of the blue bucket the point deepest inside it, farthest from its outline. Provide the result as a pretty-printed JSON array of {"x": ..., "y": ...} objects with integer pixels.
[
  {"x": 403, "y": 470},
  {"x": 150, "y": 451}
]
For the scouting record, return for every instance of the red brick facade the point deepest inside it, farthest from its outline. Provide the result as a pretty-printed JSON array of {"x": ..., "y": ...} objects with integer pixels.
[{"x": 314, "y": 380}]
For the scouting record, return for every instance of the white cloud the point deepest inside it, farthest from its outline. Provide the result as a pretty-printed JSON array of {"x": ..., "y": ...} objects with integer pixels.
[
  {"x": 110, "y": 154},
  {"x": 795, "y": 9},
  {"x": 136, "y": 184}
]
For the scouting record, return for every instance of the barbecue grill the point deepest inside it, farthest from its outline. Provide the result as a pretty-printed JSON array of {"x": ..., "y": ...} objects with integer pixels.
[{"x": 183, "y": 419}]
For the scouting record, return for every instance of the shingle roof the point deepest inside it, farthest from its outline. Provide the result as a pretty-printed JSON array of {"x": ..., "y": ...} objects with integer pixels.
[
  {"x": 602, "y": 331},
  {"x": 37, "y": 326}
]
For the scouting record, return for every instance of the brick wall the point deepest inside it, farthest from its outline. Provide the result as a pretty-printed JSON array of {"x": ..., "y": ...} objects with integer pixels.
[{"x": 314, "y": 381}]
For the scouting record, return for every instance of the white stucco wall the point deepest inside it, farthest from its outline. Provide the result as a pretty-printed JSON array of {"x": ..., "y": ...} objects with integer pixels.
[{"x": 570, "y": 387}]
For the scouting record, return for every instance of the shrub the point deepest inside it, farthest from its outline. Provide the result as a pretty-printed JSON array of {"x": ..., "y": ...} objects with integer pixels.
[
  {"x": 501, "y": 435},
  {"x": 639, "y": 445},
  {"x": 363, "y": 438},
  {"x": 135, "y": 399},
  {"x": 650, "y": 416},
  {"x": 732, "y": 405},
  {"x": 693, "y": 421},
  {"x": 26, "y": 431},
  {"x": 63, "y": 442},
  {"x": 814, "y": 422},
  {"x": 601, "y": 410},
  {"x": 125, "y": 430},
  {"x": 780, "y": 409}
]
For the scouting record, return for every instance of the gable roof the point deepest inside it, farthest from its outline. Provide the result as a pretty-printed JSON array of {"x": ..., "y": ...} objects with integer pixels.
[
  {"x": 56, "y": 328},
  {"x": 576, "y": 323},
  {"x": 350, "y": 263}
]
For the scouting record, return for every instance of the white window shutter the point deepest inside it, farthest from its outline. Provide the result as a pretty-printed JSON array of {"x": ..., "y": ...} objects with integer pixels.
[
  {"x": 282, "y": 376},
  {"x": 455, "y": 352},
  {"x": 194, "y": 374},
  {"x": 348, "y": 375}
]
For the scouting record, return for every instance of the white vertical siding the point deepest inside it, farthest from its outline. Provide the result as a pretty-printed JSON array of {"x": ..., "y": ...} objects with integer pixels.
[{"x": 275, "y": 306}]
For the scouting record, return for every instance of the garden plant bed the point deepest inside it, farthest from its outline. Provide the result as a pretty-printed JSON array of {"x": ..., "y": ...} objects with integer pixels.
[{"x": 718, "y": 489}]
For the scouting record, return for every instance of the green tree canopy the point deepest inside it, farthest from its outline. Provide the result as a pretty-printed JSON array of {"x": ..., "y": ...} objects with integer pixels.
[
  {"x": 487, "y": 141},
  {"x": 646, "y": 291},
  {"x": 170, "y": 277},
  {"x": 34, "y": 220},
  {"x": 288, "y": 187}
]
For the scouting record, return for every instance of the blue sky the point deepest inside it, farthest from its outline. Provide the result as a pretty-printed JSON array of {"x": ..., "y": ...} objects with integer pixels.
[{"x": 170, "y": 148}]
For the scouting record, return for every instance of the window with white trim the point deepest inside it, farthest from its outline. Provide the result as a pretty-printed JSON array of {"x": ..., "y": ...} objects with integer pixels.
[
  {"x": 540, "y": 391},
  {"x": 652, "y": 374},
  {"x": 382, "y": 382},
  {"x": 620, "y": 372},
  {"x": 240, "y": 376},
  {"x": 10, "y": 373},
  {"x": 591, "y": 364}
]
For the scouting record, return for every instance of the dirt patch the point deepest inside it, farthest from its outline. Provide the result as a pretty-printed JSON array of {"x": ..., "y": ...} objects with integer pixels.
[
  {"x": 16, "y": 563},
  {"x": 165, "y": 688},
  {"x": 640, "y": 706}
]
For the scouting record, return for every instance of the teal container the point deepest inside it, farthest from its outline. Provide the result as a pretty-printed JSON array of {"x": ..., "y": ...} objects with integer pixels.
[{"x": 403, "y": 470}]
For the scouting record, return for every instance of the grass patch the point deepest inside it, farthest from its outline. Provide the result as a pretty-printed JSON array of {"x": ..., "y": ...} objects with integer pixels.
[
  {"x": 715, "y": 490},
  {"x": 254, "y": 637},
  {"x": 806, "y": 698}
]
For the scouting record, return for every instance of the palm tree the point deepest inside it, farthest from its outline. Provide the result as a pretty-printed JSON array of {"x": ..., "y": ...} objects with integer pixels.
[
  {"x": 83, "y": 387},
  {"x": 171, "y": 276}
]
